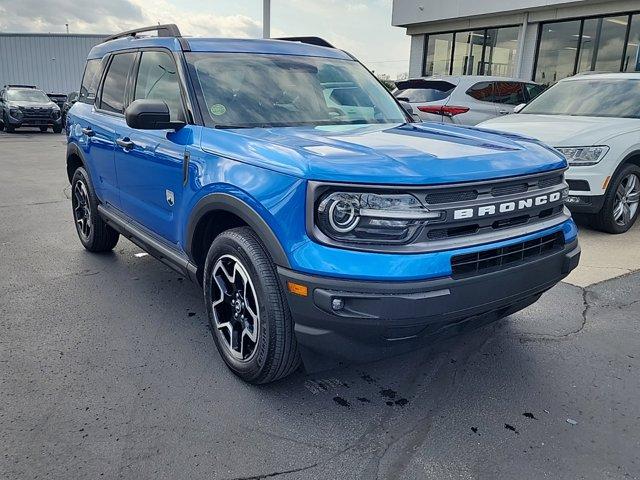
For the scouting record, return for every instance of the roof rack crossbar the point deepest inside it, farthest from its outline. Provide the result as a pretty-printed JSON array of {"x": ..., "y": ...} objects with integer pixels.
[
  {"x": 15, "y": 85},
  {"x": 166, "y": 30},
  {"x": 320, "y": 42}
]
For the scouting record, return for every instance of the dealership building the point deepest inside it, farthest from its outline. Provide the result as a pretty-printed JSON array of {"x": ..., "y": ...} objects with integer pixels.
[
  {"x": 536, "y": 40},
  {"x": 52, "y": 62}
]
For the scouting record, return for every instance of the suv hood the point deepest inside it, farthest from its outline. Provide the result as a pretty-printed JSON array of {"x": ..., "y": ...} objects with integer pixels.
[
  {"x": 417, "y": 154},
  {"x": 564, "y": 130},
  {"x": 23, "y": 104}
]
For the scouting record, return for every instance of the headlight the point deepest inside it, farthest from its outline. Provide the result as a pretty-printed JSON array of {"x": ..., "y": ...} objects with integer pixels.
[
  {"x": 366, "y": 217},
  {"x": 15, "y": 112},
  {"x": 583, "y": 156},
  {"x": 55, "y": 113}
]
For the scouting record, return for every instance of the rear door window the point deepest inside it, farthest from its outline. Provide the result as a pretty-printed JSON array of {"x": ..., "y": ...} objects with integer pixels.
[
  {"x": 482, "y": 91},
  {"x": 509, "y": 93},
  {"x": 421, "y": 91},
  {"x": 115, "y": 83}
]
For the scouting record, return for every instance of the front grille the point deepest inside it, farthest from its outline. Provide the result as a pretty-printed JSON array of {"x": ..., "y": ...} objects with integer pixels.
[
  {"x": 509, "y": 189},
  {"x": 36, "y": 113},
  {"x": 486, "y": 261},
  {"x": 449, "y": 197},
  {"x": 550, "y": 181}
]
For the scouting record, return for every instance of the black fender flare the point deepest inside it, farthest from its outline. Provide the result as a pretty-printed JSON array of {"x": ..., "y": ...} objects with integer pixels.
[
  {"x": 229, "y": 203},
  {"x": 73, "y": 149}
]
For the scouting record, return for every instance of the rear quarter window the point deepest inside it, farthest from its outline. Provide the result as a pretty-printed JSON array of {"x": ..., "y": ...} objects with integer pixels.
[
  {"x": 420, "y": 91},
  {"x": 482, "y": 91},
  {"x": 90, "y": 79}
]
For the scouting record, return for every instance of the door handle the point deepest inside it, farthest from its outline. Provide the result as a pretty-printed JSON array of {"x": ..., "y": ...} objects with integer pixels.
[
  {"x": 503, "y": 112},
  {"x": 125, "y": 143},
  {"x": 88, "y": 132}
]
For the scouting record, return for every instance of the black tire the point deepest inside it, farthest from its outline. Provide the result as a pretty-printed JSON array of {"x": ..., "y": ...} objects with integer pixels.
[
  {"x": 57, "y": 129},
  {"x": 604, "y": 220},
  {"x": 275, "y": 353},
  {"x": 98, "y": 236},
  {"x": 7, "y": 126},
  {"x": 44, "y": 129}
]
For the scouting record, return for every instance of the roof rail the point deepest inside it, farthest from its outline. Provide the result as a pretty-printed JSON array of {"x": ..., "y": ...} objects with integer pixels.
[
  {"x": 166, "y": 30},
  {"x": 320, "y": 42},
  {"x": 15, "y": 85}
]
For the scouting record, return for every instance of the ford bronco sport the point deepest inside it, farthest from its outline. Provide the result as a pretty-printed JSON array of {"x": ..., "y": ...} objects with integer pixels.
[{"x": 320, "y": 220}]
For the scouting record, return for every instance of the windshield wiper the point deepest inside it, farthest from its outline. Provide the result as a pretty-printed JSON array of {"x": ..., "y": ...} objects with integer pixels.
[{"x": 230, "y": 126}]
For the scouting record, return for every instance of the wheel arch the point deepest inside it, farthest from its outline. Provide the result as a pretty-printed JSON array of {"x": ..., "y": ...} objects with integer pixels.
[
  {"x": 218, "y": 212},
  {"x": 75, "y": 159}
]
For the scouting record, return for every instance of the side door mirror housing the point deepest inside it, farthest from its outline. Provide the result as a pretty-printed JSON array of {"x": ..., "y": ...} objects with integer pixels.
[
  {"x": 409, "y": 109},
  {"x": 145, "y": 114},
  {"x": 519, "y": 107}
]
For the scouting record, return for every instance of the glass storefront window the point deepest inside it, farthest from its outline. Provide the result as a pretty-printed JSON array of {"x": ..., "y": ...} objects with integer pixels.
[
  {"x": 477, "y": 52},
  {"x": 587, "y": 45},
  {"x": 632, "y": 55},
  {"x": 557, "y": 51},
  {"x": 501, "y": 49},
  {"x": 600, "y": 46},
  {"x": 467, "y": 53},
  {"x": 438, "y": 59},
  {"x": 611, "y": 43}
]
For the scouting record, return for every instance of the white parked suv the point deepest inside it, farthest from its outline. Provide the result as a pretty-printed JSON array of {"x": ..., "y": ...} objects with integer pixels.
[
  {"x": 594, "y": 120},
  {"x": 465, "y": 99}
]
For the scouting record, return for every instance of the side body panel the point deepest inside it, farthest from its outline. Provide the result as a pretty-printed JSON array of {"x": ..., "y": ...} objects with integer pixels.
[{"x": 97, "y": 147}]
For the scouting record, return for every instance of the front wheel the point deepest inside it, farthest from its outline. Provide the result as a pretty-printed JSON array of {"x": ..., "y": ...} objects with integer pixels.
[
  {"x": 57, "y": 129},
  {"x": 620, "y": 209},
  {"x": 250, "y": 320},
  {"x": 43, "y": 129},
  {"x": 94, "y": 233}
]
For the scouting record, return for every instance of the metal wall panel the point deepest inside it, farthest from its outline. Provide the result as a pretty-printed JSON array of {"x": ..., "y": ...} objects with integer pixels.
[{"x": 53, "y": 62}]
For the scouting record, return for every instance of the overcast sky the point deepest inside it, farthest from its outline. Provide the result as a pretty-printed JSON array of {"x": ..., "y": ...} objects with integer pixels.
[{"x": 361, "y": 27}]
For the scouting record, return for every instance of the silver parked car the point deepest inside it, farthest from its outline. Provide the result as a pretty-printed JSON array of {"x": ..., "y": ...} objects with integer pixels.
[{"x": 465, "y": 99}]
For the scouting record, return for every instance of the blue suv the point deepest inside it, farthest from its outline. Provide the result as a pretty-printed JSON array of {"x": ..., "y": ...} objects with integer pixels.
[{"x": 319, "y": 218}]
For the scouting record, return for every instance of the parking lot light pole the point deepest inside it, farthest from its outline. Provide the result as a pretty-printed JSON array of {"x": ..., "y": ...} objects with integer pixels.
[{"x": 266, "y": 18}]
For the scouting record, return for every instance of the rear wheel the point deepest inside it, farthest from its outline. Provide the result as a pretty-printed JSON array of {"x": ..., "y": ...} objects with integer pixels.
[
  {"x": 250, "y": 320},
  {"x": 94, "y": 233},
  {"x": 620, "y": 209}
]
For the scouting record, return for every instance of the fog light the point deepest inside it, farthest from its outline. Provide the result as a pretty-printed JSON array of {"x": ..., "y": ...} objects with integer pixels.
[
  {"x": 572, "y": 199},
  {"x": 337, "y": 304}
]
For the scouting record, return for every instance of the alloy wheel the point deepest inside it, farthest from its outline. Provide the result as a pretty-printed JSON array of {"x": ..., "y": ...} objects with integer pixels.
[
  {"x": 235, "y": 307},
  {"x": 82, "y": 209},
  {"x": 627, "y": 199}
]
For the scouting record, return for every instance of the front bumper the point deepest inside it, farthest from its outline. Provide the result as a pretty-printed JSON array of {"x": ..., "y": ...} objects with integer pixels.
[
  {"x": 34, "y": 122},
  {"x": 379, "y": 319}
]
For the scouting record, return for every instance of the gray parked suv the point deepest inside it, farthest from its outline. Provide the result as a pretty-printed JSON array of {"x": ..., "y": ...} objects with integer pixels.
[
  {"x": 465, "y": 99},
  {"x": 26, "y": 106}
]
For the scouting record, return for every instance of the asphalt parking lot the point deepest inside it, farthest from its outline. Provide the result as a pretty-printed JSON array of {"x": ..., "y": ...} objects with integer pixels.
[{"x": 108, "y": 370}]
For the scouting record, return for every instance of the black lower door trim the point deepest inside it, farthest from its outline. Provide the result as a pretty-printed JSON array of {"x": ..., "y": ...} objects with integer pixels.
[{"x": 172, "y": 258}]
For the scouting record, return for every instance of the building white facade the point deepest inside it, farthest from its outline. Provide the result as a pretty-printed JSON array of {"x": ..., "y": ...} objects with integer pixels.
[
  {"x": 530, "y": 39},
  {"x": 52, "y": 62}
]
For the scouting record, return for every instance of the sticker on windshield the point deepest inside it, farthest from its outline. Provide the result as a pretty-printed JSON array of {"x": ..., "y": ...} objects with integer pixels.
[{"x": 218, "y": 109}]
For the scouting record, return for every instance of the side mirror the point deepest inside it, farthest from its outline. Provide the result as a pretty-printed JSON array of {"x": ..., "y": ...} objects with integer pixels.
[
  {"x": 147, "y": 114},
  {"x": 519, "y": 107},
  {"x": 409, "y": 109}
]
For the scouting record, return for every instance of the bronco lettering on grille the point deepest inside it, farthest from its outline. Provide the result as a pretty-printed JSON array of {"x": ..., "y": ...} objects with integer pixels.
[{"x": 506, "y": 207}]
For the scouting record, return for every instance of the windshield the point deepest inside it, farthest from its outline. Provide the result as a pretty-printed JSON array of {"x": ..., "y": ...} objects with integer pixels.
[
  {"x": 590, "y": 97},
  {"x": 249, "y": 90},
  {"x": 27, "y": 96}
]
